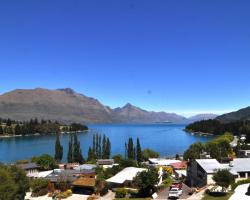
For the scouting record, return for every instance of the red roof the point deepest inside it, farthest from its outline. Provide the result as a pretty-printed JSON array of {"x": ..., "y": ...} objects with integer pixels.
[{"x": 179, "y": 165}]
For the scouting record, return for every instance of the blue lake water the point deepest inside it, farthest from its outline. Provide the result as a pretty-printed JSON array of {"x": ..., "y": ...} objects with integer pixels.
[{"x": 167, "y": 139}]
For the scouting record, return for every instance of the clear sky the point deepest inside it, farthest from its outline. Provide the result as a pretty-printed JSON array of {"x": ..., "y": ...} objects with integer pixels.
[{"x": 166, "y": 55}]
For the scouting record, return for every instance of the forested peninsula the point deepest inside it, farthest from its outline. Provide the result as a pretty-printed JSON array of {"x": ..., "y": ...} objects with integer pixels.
[
  {"x": 216, "y": 127},
  {"x": 9, "y": 127}
]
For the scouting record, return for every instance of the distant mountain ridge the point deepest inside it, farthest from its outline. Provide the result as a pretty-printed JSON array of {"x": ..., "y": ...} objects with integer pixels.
[
  {"x": 242, "y": 114},
  {"x": 68, "y": 106}
]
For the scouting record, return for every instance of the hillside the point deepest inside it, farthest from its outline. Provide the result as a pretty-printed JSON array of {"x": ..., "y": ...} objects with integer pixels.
[
  {"x": 68, "y": 106},
  {"x": 242, "y": 114}
]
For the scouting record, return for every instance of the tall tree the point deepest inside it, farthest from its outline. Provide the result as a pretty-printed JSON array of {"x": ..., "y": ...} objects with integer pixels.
[
  {"x": 104, "y": 147},
  {"x": 58, "y": 149},
  {"x": 138, "y": 151},
  {"x": 70, "y": 150},
  {"x": 94, "y": 145},
  {"x": 90, "y": 154},
  {"x": 1, "y": 130},
  {"x": 130, "y": 149}
]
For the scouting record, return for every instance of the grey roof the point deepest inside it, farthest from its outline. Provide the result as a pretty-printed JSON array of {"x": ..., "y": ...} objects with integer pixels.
[
  {"x": 85, "y": 167},
  {"x": 105, "y": 161},
  {"x": 68, "y": 175},
  {"x": 209, "y": 165},
  {"x": 240, "y": 165},
  {"x": 28, "y": 166}
]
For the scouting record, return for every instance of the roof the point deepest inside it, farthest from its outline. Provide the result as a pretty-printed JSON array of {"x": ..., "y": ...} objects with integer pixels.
[
  {"x": 179, "y": 165},
  {"x": 28, "y": 166},
  {"x": 85, "y": 167},
  {"x": 126, "y": 174},
  {"x": 84, "y": 182},
  {"x": 209, "y": 165},
  {"x": 240, "y": 165},
  {"x": 163, "y": 161},
  {"x": 40, "y": 174},
  {"x": 105, "y": 161}
]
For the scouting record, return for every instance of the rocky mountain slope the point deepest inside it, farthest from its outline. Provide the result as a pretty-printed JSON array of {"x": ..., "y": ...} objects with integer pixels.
[{"x": 68, "y": 106}]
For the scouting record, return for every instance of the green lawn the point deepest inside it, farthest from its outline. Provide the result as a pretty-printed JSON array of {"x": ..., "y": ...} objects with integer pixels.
[{"x": 208, "y": 197}]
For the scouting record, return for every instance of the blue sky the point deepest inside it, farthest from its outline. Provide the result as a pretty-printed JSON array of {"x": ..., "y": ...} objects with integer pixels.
[{"x": 179, "y": 56}]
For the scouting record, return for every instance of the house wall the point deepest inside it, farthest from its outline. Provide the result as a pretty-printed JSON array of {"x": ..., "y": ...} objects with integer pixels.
[{"x": 196, "y": 176}]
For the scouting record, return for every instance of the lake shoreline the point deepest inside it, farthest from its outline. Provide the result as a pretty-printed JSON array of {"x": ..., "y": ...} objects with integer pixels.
[
  {"x": 39, "y": 134},
  {"x": 199, "y": 133}
]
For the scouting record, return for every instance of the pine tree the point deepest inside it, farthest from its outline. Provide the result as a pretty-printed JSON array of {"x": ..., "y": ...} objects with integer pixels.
[
  {"x": 90, "y": 154},
  {"x": 130, "y": 149},
  {"x": 93, "y": 146},
  {"x": 108, "y": 149},
  {"x": 58, "y": 149},
  {"x": 138, "y": 151},
  {"x": 18, "y": 130},
  {"x": 104, "y": 147},
  {"x": 1, "y": 130},
  {"x": 100, "y": 147},
  {"x": 126, "y": 151},
  {"x": 70, "y": 150}
]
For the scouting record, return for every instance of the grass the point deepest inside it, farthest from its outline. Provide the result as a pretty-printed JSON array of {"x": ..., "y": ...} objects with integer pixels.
[{"x": 209, "y": 197}]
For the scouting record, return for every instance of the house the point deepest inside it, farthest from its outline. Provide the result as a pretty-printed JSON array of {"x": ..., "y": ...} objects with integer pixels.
[
  {"x": 125, "y": 177},
  {"x": 162, "y": 161},
  {"x": 70, "y": 177},
  {"x": 31, "y": 169},
  {"x": 106, "y": 163},
  {"x": 201, "y": 171},
  {"x": 85, "y": 184},
  {"x": 179, "y": 169},
  {"x": 244, "y": 154}
]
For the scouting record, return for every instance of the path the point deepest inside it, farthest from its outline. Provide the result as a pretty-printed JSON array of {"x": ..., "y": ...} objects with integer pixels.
[{"x": 240, "y": 193}]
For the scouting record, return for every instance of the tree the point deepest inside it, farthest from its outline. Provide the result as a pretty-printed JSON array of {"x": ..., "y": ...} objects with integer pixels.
[
  {"x": 18, "y": 130},
  {"x": 130, "y": 149},
  {"x": 149, "y": 153},
  {"x": 146, "y": 182},
  {"x": 70, "y": 150},
  {"x": 194, "y": 151},
  {"x": 91, "y": 156},
  {"x": 21, "y": 181},
  {"x": 138, "y": 151},
  {"x": 39, "y": 186},
  {"x": 45, "y": 161},
  {"x": 1, "y": 130},
  {"x": 8, "y": 188},
  {"x": 58, "y": 149},
  {"x": 223, "y": 178},
  {"x": 14, "y": 183}
]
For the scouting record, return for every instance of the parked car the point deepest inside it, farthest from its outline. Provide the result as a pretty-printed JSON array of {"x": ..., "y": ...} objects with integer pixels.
[
  {"x": 174, "y": 193},
  {"x": 176, "y": 185}
]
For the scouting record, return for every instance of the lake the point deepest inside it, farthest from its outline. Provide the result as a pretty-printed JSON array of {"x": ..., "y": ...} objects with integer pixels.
[{"x": 167, "y": 139}]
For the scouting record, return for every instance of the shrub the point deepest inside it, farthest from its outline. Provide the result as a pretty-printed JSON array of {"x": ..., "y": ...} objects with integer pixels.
[
  {"x": 241, "y": 182},
  {"x": 39, "y": 187},
  {"x": 120, "y": 193}
]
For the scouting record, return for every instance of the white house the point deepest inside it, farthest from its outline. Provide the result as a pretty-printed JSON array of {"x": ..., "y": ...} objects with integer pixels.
[
  {"x": 201, "y": 171},
  {"x": 125, "y": 176}
]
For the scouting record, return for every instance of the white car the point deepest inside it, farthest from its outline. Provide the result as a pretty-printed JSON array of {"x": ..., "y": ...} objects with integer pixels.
[{"x": 174, "y": 193}]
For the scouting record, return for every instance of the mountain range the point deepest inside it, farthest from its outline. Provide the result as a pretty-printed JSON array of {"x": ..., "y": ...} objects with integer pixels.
[{"x": 66, "y": 105}]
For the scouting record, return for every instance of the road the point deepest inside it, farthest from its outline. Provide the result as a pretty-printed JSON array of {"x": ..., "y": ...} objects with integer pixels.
[{"x": 164, "y": 193}]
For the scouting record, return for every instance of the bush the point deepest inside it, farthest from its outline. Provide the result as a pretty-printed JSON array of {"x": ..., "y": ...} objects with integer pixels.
[
  {"x": 241, "y": 182},
  {"x": 64, "y": 195},
  {"x": 120, "y": 193},
  {"x": 39, "y": 187}
]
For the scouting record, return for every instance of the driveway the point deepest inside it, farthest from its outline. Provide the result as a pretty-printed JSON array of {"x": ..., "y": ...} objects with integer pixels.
[
  {"x": 164, "y": 193},
  {"x": 240, "y": 193}
]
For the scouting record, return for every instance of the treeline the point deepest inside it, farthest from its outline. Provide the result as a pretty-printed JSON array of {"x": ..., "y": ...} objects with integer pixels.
[
  {"x": 218, "y": 148},
  {"x": 217, "y": 128},
  {"x": 12, "y": 127},
  {"x": 101, "y": 148},
  {"x": 132, "y": 151}
]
